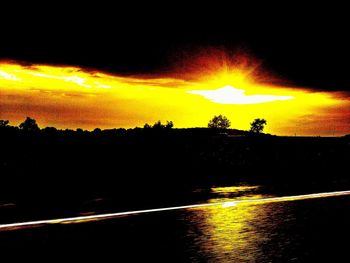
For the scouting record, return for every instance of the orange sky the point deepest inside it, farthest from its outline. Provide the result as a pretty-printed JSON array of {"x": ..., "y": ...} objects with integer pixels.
[{"x": 72, "y": 97}]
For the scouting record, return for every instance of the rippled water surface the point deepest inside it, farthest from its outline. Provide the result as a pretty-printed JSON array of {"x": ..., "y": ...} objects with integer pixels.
[{"x": 292, "y": 231}]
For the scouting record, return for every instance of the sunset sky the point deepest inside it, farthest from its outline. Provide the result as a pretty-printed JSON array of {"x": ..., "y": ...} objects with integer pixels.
[
  {"x": 125, "y": 71},
  {"x": 237, "y": 87}
]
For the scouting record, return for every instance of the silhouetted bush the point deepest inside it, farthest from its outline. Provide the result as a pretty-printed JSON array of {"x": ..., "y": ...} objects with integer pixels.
[
  {"x": 257, "y": 126},
  {"x": 219, "y": 122},
  {"x": 4, "y": 123},
  {"x": 29, "y": 125}
]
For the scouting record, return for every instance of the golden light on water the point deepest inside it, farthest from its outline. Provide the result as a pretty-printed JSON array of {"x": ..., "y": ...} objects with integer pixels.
[
  {"x": 232, "y": 231},
  {"x": 244, "y": 222},
  {"x": 239, "y": 227},
  {"x": 72, "y": 97},
  {"x": 244, "y": 199}
]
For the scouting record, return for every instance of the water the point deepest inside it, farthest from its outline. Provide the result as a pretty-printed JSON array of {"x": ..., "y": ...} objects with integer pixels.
[{"x": 294, "y": 231}]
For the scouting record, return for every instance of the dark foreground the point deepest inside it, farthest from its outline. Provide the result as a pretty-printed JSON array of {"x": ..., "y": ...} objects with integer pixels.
[
  {"x": 295, "y": 231},
  {"x": 52, "y": 170},
  {"x": 51, "y": 174}
]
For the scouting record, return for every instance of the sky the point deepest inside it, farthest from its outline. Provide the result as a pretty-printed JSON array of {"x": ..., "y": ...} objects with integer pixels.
[{"x": 124, "y": 71}]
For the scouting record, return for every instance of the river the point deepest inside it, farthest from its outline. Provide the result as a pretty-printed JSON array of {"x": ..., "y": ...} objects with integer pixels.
[{"x": 291, "y": 230}]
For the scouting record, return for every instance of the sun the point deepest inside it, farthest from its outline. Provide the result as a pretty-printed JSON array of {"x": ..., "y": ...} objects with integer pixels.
[
  {"x": 237, "y": 87},
  {"x": 231, "y": 95}
]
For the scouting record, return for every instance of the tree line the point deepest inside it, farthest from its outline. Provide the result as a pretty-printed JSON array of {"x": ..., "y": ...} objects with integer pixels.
[
  {"x": 223, "y": 123},
  {"x": 218, "y": 122}
]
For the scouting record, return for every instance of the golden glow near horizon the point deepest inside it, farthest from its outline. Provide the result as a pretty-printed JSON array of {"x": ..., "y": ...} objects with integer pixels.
[
  {"x": 231, "y": 95},
  {"x": 71, "y": 97}
]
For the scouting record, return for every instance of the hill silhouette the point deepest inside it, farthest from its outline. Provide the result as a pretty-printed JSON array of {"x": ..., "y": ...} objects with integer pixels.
[{"x": 50, "y": 170}]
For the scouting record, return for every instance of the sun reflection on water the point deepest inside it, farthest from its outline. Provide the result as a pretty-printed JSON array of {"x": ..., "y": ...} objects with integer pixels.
[{"x": 234, "y": 231}]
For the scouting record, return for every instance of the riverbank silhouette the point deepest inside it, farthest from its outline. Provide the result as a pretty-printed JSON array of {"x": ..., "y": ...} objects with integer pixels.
[{"x": 52, "y": 171}]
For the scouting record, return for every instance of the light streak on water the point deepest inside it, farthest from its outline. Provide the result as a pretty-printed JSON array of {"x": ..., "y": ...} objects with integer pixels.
[{"x": 81, "y": 219}]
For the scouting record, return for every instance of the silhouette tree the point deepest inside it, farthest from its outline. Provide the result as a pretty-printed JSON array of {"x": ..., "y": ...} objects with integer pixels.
[
  {"x": 4, "y": 123},
  {"x": 147, "y": 126},
  {"x": 159, "y": 126},
  {"x": 219, "y": 122},
  {"x": 169, "y": 125},
  {"x": 29, "y": 125},
  {"x": 257, "y": 126},
  {"x": 49, "y": 130}
]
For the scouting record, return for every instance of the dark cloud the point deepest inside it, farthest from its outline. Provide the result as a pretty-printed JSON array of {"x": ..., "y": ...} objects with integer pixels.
[{"x": 306, "y": 46}]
